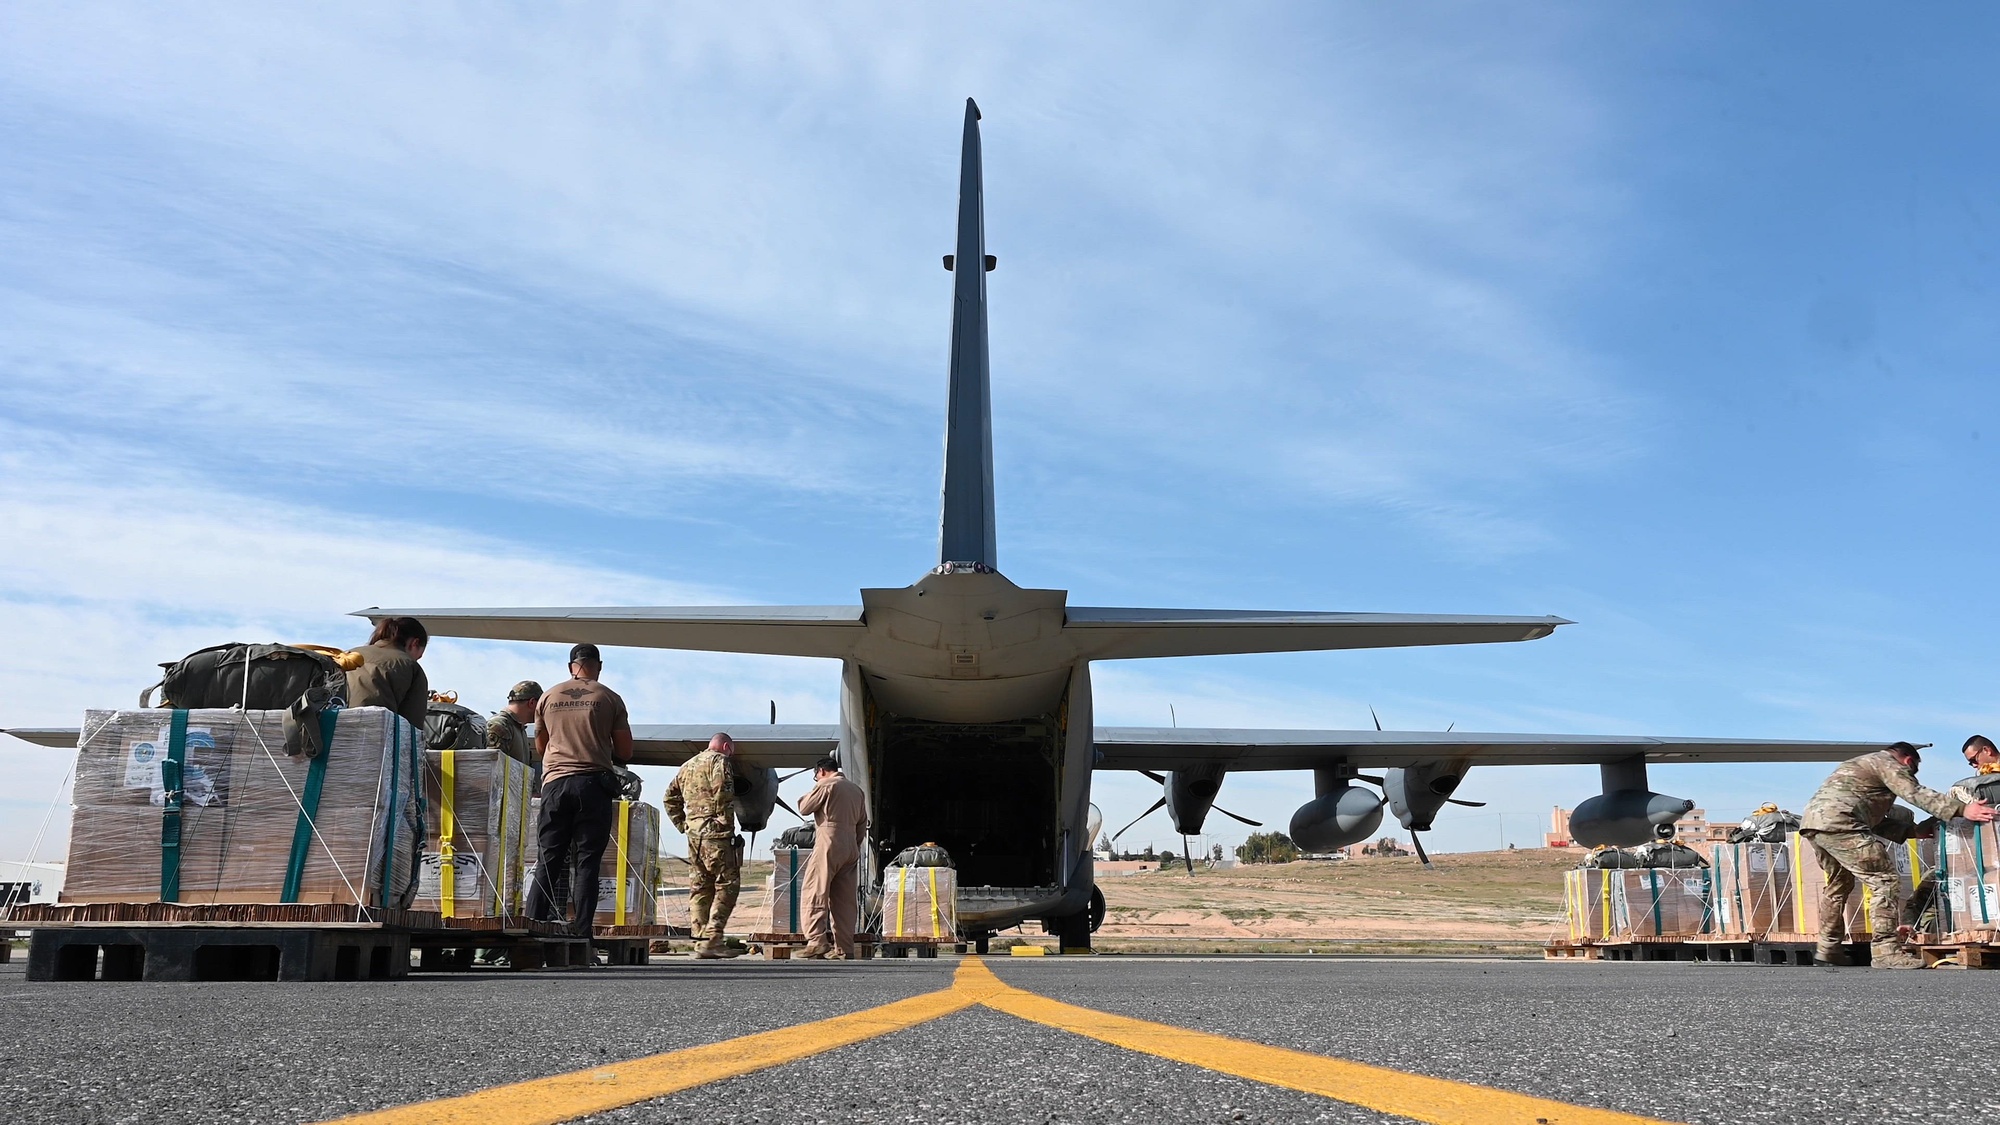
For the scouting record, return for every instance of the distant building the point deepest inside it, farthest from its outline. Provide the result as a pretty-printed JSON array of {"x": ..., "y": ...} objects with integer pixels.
[{"x": 1694, "y": 830}]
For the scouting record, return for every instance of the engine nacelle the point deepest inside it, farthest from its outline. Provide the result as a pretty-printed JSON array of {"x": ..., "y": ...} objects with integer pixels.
[
  {"x": 1416, "y": 793},
  {"x": 1341, "y": 815},
  {"x": 756, "y": 796},
  {"x": 1190, "y": 793},
  {"x": 1626, "y": 818}
]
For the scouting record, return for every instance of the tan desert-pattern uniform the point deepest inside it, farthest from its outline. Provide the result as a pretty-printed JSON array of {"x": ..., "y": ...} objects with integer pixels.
[{"x": 1840, "y": 823}]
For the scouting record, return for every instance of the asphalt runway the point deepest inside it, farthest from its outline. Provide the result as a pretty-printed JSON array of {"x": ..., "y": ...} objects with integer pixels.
[{"x": 1709, "y": 1043}]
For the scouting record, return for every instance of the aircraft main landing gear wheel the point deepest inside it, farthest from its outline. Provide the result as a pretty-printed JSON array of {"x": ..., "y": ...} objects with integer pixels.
[
  {"x": 980, "y": 942},
  {"x": 1096, "y": 908}
]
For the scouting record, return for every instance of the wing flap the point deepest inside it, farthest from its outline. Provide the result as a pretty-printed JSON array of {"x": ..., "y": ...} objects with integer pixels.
[
  {"x": 60, "y": 738},
  {"x": 1120, "y": 634},
  {"x": 1162, "y": 748},
  {"x": 827, "y": 631},
  {"x": 786, "y": 746}
]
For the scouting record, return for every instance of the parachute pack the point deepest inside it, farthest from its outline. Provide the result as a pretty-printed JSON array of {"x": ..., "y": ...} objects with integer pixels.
[
  {"x": 300, "y": 680},
  {"x": 448, "y": 726},
  {"x": 923, "y": 855},
  {"x": 1768, "y": 825}
]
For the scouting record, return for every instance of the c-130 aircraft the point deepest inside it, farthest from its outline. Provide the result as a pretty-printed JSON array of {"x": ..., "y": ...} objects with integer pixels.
[{"x": 965, "y": 705}]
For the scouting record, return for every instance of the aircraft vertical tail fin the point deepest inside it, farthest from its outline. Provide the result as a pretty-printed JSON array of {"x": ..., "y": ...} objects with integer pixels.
[{"x": 966, "y": 527}]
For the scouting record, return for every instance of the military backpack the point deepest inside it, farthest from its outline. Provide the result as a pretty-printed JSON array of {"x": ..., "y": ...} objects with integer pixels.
[
  {"x": 300, "y": 680},
  {"x": 923, "y": 855},
  {"x": 448, "y": 726}
]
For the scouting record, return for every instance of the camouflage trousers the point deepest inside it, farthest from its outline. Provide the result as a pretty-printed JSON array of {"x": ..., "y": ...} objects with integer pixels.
[
  {"x": 1847, "y": 858},
  {"x": 715, "y": 872}
]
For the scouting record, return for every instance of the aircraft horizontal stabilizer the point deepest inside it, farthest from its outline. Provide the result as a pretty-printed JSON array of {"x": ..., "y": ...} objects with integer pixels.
[
  {"x": 1120, "y": 634},
  {"x": 774, "y": 630},
  {"x": 1165, "y": 748},
  {"x": 787, "y": 746},
  {"x": 63, "y": 738}
]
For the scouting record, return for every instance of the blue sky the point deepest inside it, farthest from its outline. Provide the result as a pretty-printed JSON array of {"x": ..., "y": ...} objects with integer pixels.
[{"x": 1674, "y": 321}]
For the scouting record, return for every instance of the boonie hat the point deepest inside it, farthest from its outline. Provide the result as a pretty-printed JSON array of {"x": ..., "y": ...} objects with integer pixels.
[
  {"x": 524, "y": 692},
  {"x": 585, "y": 652}
]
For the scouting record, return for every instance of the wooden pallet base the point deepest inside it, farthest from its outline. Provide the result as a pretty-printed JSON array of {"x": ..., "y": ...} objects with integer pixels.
[
  {"x": 166, "y": 952},
  {"x": 781, "y": 947},
  {"x": 1961, "y": 955},
  {"x": 1570, "y": 951}
]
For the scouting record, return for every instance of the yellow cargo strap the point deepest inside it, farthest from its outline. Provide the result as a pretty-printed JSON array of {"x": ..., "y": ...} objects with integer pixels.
[
  {"x": 624, "y": 841},
  {"x": 1916, "y": 863},
  {"x": 1766, "y": 807},
  {"x": 902, "y": 892},
  {"x": 1798, "y": 885},
  {"x": 348, "y": 661},
  {"x": 444, "y": 697},
  {"x": 521, "y": 808},
  {"x": 504, "y": 778},
  {"x": 937, "y": 909},
  {"x": 447, "y": 828}
]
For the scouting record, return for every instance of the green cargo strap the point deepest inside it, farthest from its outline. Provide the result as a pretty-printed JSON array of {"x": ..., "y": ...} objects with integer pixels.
[
  {"x": 1979, "y": 869},
  {"x": 302, "y": 832},
  {"x": 1653, "y": 877},
  {"x": 389, "y": 824},
  {"x": 792, "y": 889},
  {"x": 171, "y": 772}
]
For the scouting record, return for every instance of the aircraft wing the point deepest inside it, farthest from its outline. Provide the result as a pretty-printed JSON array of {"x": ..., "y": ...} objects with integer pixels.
[
  {"x": 787, "y": 746},
  {"x": 791, "y": 746},
  {"x": 774, "y": 630},
  {"x": 1165, "y": 748},
  {"x": 62, "y": 738},
  {"x": 1119, "y": 634}
]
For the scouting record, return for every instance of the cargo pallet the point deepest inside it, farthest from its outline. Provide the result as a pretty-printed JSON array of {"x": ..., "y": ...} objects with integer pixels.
[
  {"x": 1768, "y": 949},
  {"x": 1976, "y": 949},
  {"x": 780, "y": 947},
  {"x": 307, "y": 942}
]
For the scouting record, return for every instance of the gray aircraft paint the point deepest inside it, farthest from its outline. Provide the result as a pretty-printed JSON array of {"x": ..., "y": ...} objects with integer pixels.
[
  {"x": 964, "y": 645},
  {"x": 966, "y": 527}
]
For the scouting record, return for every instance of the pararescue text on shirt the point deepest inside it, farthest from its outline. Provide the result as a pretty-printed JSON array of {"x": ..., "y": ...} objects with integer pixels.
[{"x": 581, "y": 717}]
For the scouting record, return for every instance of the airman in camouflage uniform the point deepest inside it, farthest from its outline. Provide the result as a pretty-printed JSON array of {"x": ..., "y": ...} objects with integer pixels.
[
  {"x": 507, "y": 730},
  {"x": 701, "y": 801},
  {"x": 1841, "y": 823}
]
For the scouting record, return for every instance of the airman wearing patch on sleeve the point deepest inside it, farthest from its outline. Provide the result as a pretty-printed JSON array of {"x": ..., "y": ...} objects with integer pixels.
[
  {"x": 701, "y": 801},
  {"x": 1840, "y": 824}
]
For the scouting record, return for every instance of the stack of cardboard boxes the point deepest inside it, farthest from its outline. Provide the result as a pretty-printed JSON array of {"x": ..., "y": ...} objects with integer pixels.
[
  {"x": 479, "y": 832},
  {"x": 1639, "y": 903},
  {"x": 205, "y": 807}
]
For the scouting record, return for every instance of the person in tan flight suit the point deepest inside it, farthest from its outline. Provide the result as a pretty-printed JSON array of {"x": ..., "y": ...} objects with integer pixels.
[
  {"x": 1840, "y": 823},
  {"x": 389, "y": 675},
  {"x": 840, "y": 826},
  {"x": 701, "y": 801}
]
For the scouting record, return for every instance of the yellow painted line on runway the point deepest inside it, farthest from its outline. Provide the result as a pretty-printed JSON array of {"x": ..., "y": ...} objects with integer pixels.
[
  {"x": 564, "y": 1097},
  {"x": 1437, "y": 1100}
]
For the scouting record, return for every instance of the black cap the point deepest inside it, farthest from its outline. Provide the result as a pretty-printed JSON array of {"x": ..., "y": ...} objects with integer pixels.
[{"x": 586, "y": 653}]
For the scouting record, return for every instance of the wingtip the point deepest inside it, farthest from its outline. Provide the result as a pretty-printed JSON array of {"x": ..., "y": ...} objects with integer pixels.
[{"x": 972, "y": 110}]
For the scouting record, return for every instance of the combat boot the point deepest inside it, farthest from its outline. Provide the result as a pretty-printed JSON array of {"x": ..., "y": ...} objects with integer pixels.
[
  {"x": 713, "y": 949},
  {"x": 1830, "y": 954},
  {"x": 1892, "y": 954},
  {"x": 814, "y": 951}
]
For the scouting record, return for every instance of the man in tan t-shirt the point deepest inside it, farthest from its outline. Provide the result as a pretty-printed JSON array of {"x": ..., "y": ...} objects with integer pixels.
[{"x": 581, "y": 730}]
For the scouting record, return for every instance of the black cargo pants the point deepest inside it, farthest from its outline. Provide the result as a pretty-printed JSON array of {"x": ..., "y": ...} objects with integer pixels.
[{"x": 577, "y": 811}]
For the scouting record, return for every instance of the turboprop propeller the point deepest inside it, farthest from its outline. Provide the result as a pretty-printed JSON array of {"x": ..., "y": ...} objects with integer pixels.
[{"x": 1191, "y": 794}]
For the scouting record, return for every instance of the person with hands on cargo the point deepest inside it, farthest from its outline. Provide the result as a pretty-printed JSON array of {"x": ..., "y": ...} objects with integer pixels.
[
  {"x": 388, "y": 674},
  {"x": 701, "y": 801},
  {"x": 840, "y": 827},
  {"x": 1840, "y": 824},
  {"x": 581, "y": 731}
]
